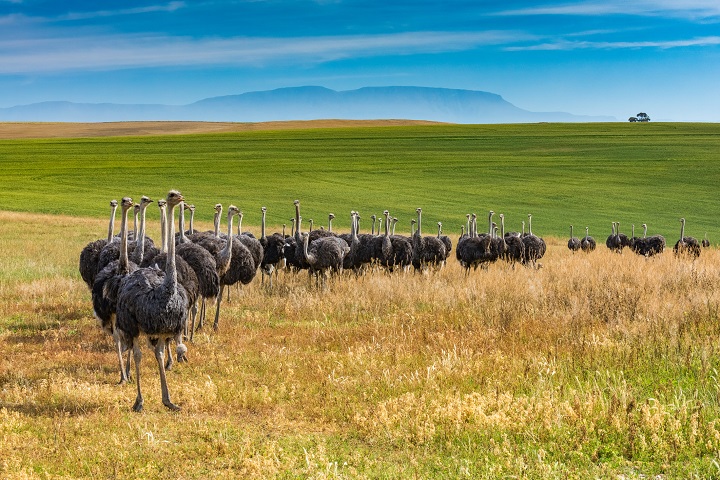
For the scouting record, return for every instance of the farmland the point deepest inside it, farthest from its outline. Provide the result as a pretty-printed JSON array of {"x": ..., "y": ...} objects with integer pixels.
[{"x": 598, "y": 365}]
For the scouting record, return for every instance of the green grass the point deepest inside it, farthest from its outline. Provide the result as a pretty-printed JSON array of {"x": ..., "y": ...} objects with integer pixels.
[{"x": 584, "y": 174}]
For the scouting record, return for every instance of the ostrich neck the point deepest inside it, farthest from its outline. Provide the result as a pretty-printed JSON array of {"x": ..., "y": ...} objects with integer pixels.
[
  {"x": 644, "y": 231},
  {"x": 216, "y": 222},
  {"x": 139, "y": 252},
  {"x": 192, "y": 222},
  {"x": 297, "y": 222},
  {"x": 111, "y": 227},
  {"x": 123, "y": 261},
  {"x": 135, "y": 224},
  {"x": 419, "y": 225},
  {"x": 170, "y": 267},
  {"x": 227, "y": 251},
  {"x": 262, "y": 226},
  {"x": 682, "y": 230},
  {"x": 309, "y": 258},
  {"x": 490, "y": 228},
  {"x": 181, "y": 226},
  {"x": 387, "y": 229},
  {"x": 530, "y": 225},
  {"x": 329, "y": 224},
  {"x": 163, "y": 230},
  {"x": 502, "y": 227}
]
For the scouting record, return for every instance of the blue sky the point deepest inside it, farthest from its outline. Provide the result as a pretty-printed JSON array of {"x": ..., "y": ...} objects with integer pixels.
[{"x": 610, "y": 57}]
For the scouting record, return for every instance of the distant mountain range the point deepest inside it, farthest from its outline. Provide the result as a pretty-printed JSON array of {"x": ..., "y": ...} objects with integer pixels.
[{"x": 307, "y": 103}]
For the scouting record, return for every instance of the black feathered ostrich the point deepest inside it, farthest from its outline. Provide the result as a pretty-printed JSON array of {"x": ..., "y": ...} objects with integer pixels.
[
  {"x": 588, "y": 243},
  {"x": 273, "y": 258},
  {"x": 154, "y": 306},
  {"x": 90, "y": 255},
  {"x": 427, "y": 251},
  {"x": 573, "y": 242},
  {"x": 687, "y": 246},
  {"x": 106, "y": 288}
]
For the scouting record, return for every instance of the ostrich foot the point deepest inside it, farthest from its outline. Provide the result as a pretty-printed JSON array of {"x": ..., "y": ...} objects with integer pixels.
[
  {"x": 171, "y": 405},
  {"x": 138, "y": 407}
]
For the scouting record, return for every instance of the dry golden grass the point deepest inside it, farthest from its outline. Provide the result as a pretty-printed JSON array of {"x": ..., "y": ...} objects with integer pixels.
[
  {"x": 597, "y": 365},
  {"x": 12, "y": 130}
]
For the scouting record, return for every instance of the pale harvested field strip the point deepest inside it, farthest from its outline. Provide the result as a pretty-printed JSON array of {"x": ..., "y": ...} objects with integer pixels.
[{"x": 17, "y": 130}]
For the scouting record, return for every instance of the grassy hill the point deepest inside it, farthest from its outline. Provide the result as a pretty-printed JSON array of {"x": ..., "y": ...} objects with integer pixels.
[{"x": 584, "y": 174}]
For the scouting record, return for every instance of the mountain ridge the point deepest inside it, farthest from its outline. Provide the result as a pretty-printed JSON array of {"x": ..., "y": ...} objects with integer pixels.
[{"x": 306, "y": 103}]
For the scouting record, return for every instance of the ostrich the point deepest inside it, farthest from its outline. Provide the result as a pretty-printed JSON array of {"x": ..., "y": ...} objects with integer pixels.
[
  {"x": 90, "y": 255},
  {"x": 203, "y": 265},
  {"x": 686, "y": 245},
  {"x": 588, "y": 243},
  {"x": 140, "y": 244},
  {"x": 251, "y": 243},
  {"x": 535, "y": 246},
  {"x": 222, "y": 251},
  {"x": 463, "y": 236},
  {"x": 111, "y": 251},
  {"x": 613, "y": 241},
  {"x": 498, "y": 247},
  {"x": 330, "y": 219},
  {"x": 705, "y": 242},
  {"x": 155, "y": 306},
  {"x": 651, "y": 246},
  {"x": 623, "y": 239},
  {"x": 107, "y": 284},
  {"x": 325, "y": 256},
  {"x": 372, "y": 228},
  {"x": 426, "y": 250},
  {"x": 191, "y": 228},
  {"x": 188, "y": 279},
  {"x": 446, "y": 241},
  {"x": 382, "y": 245},
  {"x": 272, "y": 251},
  {"x": 514, "y": 246},
  {"x": 574, "y": 242},
  {"x": 198, "y": 237},
  {"x": 242, "y": 266},
  {"x": 402, "y": 250},
  {"x": 475, "y": 250}
]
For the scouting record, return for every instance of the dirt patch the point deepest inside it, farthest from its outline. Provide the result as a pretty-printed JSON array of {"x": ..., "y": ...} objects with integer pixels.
[{"x": 16, "y": 130}]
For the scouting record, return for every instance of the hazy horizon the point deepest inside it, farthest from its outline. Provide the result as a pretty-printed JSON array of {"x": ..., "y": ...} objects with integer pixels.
[{"x": 597, "y": 58}]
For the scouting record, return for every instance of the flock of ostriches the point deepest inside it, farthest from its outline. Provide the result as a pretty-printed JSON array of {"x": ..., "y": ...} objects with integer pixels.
[{"x": 142, "y": 289}]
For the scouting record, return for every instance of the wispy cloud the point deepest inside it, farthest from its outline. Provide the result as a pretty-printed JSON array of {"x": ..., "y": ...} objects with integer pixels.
[
  {"x": 130, "y": 51},
  {"x": 691, "y": 9},
  {"x": 168, "y": 7},
  {"x": 578, "y": 45}
]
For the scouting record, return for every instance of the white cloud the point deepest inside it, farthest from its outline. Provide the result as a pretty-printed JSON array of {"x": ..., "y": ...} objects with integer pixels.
[
  {"x": 568, "y": 45},
  {"x": 169, "y": 7},
  {"x": 130, "y": 51},
  {"x": 691, "y": 9}
]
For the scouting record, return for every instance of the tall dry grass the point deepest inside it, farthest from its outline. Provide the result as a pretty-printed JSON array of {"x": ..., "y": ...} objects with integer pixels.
[{"x": 594, "y": 365}]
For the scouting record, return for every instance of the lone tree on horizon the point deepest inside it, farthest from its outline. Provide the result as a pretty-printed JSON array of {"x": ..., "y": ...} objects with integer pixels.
[{"x": 640, "y": 117}]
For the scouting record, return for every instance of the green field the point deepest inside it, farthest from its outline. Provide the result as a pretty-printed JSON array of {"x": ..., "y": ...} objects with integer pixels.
[
  {"x": 596, "y": 365},
  {"x": 584, "y": 174}
]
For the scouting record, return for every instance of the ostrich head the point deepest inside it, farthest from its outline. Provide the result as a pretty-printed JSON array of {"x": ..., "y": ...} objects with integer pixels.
[
  {"x": 127, "y": 203},
  {"x": 190, "y": 207},
  {"x": 113, "y": 203},
  {"x": 263, "y": 209},
  {"x": 174, "y": 198},
  {"x": 218, "y": 207},
  {"x": 232, "y": 209},
  {"x": 161, "y": 203}
]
